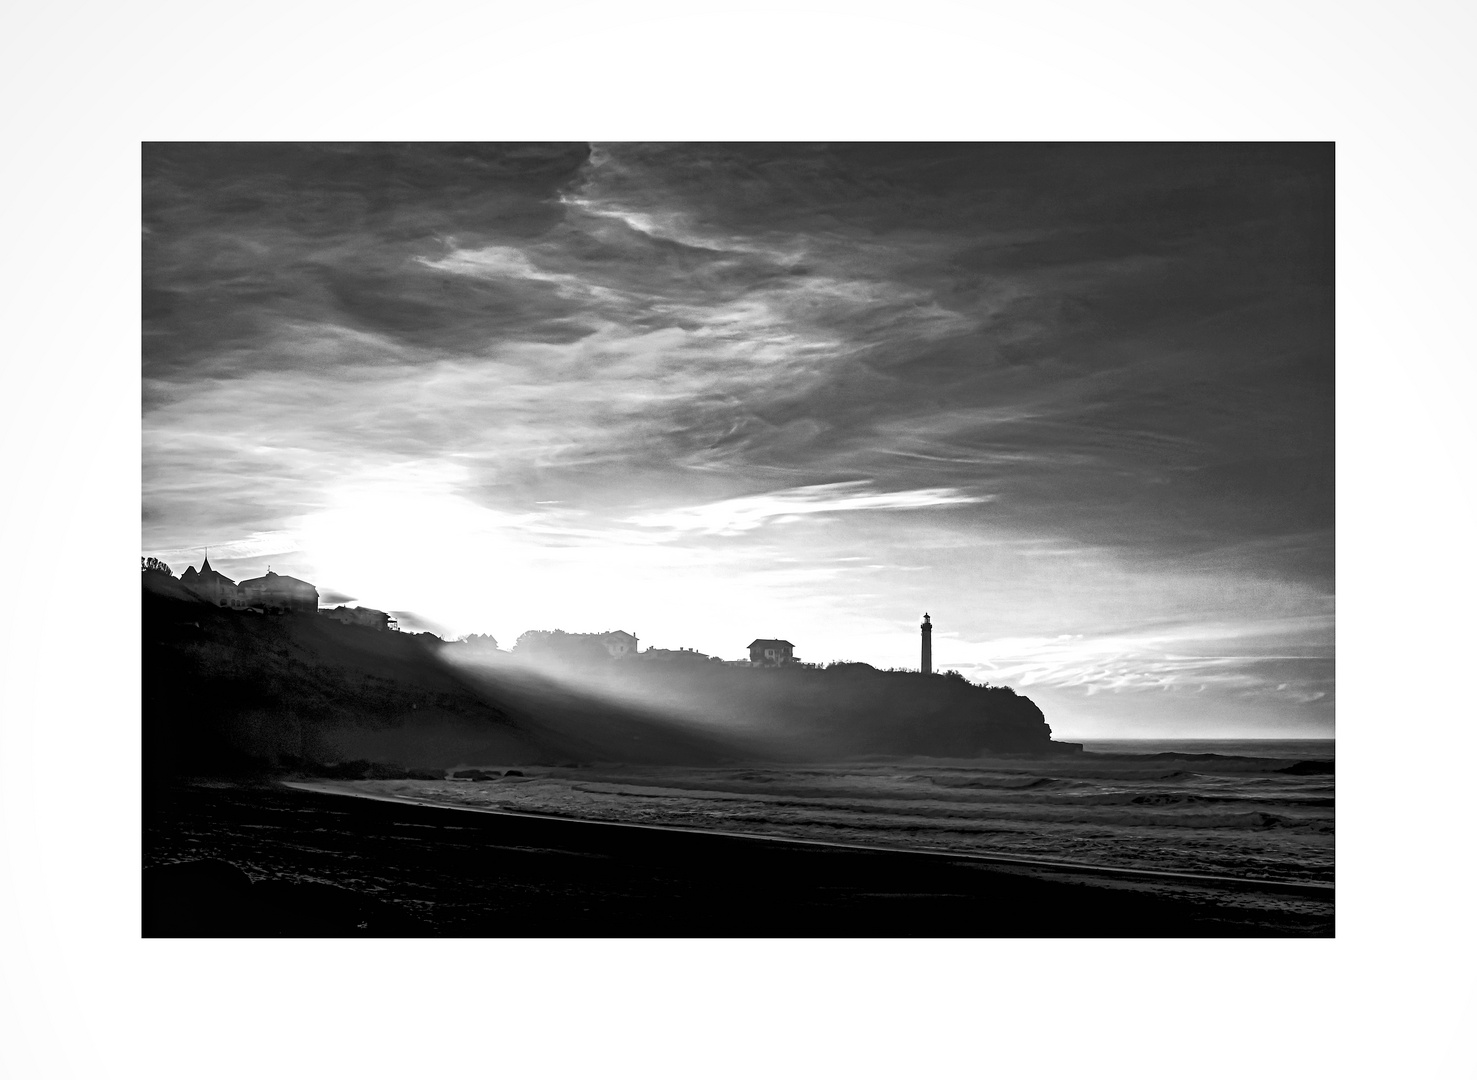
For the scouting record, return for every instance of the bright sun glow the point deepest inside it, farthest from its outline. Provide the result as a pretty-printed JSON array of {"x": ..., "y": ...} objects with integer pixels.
[{"x": 404, "y": 541}]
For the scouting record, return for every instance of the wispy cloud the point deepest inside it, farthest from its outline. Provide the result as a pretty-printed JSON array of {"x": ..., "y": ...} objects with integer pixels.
[
  {"x": 730, "y": 517},
  {"x": 498, "y": 262},
  {"x": 1246, "y": 656},
  {"x": 1084, "y": 385},
  {"x": 492, "y": 261}
]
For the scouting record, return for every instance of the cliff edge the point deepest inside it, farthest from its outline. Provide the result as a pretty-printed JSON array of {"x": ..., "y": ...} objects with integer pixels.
[{"x": 233, "y": 692}]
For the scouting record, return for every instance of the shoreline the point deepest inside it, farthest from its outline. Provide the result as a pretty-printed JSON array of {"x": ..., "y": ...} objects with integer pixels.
[
  {"x": 1317, "y": 890},
  {"x": 268, "y": 859}
]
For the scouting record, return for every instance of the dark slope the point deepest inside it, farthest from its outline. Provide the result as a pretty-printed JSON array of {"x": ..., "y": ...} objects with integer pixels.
[
  {"x": 804, "y": 714},
  {"x": 848, "y": 711},
  {"x": 227, "y": 692}
]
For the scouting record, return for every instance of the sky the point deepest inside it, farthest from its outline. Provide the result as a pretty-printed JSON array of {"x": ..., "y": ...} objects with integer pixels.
[{"x": 1075, "y": 401}]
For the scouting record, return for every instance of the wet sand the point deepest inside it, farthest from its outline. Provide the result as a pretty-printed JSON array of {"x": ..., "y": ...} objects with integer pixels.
[{"x": 310, "y": 861}]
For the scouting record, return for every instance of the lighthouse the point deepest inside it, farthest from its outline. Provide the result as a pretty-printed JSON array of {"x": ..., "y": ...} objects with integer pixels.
[{"x": 927, "y": 632}]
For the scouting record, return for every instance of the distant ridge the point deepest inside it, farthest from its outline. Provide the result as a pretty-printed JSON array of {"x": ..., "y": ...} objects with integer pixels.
[{"x": 228, "y": 691}]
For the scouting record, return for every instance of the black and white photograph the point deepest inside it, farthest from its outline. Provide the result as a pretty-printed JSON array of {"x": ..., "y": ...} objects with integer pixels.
[{"x": 735, "y": 539}]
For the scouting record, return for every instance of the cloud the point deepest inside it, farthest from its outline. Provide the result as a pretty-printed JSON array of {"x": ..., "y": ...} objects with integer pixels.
[
  {"x": 513, "y": 264},
  {"x": 1246, "y": 657},
  {"x": 730, "y": 517},
  {"x": 257, "y": 544},
  {"x": 673, "y": 228},
  {"x": 1111, "y": 365},
  {"x": 491, "y": 261}
]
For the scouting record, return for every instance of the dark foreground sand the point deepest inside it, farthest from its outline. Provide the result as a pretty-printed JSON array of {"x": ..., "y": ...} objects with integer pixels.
[{"x": 268, "y": 860}]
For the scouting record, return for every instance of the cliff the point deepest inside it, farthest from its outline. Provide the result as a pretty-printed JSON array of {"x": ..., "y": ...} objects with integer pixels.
[
  {"x": 228, "y": 691},
  {"x": 847, "y": 711}
]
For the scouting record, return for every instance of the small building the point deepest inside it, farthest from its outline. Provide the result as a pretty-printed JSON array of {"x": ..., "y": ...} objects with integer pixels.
[
  {"x": 359, "y": 616},
  {"x": 668, "y": 655},
  {"x": 212, "y": 586},
  {"x": 582, "y": 648},
  {"x": 770, "y": 652},
  {"x": 279, "y": 592},
  {"x": 619, "y": 643}
]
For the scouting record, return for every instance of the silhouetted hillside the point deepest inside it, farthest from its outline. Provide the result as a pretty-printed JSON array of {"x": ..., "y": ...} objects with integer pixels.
[
  {"x": 846, "y": 711},
  {"x": 230, "y": 691}
]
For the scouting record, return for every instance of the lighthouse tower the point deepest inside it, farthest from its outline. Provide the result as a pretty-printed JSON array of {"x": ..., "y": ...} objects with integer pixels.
[{"x": 927, "y": 629}]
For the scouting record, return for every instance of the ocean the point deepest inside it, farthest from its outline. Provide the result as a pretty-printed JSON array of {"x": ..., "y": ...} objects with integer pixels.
[{"x": 1251, "y": 809}]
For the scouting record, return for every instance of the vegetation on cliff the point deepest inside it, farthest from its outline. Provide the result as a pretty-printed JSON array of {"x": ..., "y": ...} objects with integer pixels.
[{"x": 226, "y": 691}]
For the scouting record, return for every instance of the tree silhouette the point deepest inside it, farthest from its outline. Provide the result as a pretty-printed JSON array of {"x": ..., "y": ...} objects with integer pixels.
[
  {"x": 556, "y": 645},
  {"x": 152, "y": 563},
  {"x": 480, "y": 641}
]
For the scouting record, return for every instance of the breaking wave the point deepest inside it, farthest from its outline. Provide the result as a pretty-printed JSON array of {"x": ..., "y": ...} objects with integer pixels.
[{"x": 1252, "y": 815}]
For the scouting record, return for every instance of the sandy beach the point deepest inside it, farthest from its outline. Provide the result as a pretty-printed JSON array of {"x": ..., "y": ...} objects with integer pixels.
[{"x": 309, "y": 860}]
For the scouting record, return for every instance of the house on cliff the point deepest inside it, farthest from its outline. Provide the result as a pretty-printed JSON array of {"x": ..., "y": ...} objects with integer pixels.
[
  {"x": 576, "y": 648},
  {"x": 674, "y": 655},
  {"x": 212, "y": 586},
  {"x": 771, "y": 652},
  {"x": 619, "y": 644},
  {"x": 270, "y": 592},
  {"x": 279, "y": 592}
]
